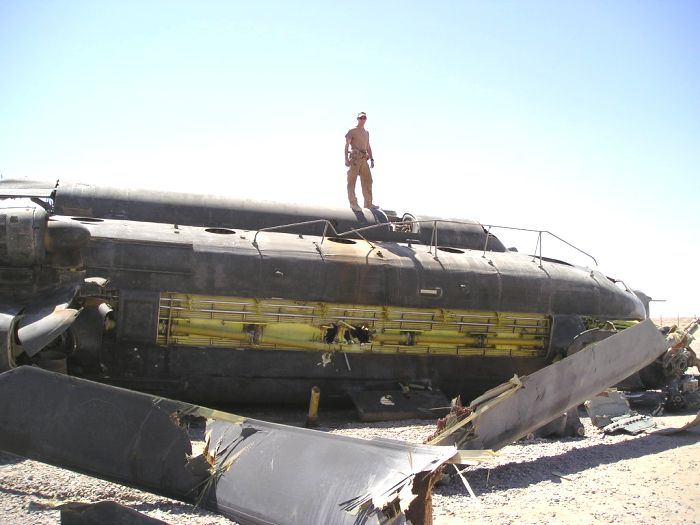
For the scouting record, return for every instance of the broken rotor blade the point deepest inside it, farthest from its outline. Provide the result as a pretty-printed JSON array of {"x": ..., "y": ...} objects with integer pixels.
[
  {"x": 115, "y": 434},
  {"x": 252, "y": 471},
  {"x": 536, "y": 399},
  {"x": 314, "y": 477}
]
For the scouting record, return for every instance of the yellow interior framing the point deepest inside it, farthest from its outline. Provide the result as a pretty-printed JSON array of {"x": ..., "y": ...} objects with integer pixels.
[{"x": 240, "y": 322}]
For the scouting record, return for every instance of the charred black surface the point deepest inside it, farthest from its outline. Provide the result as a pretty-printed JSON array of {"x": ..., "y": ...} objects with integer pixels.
[
  {"x": 220, "y": 376},
  {"x": 144, "y": 259},
  {"x": 119, "y": 337},
  {"x": 215, "y": 211},
  {"x": 157, "y": 257},
  {"x": 41, "y": 270}
]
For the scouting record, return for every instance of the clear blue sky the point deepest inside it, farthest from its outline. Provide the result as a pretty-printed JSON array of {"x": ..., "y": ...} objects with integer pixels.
[{"x": 582, "y": 118}]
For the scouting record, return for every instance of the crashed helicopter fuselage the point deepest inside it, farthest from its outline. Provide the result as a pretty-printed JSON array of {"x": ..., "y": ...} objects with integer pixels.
[{"x": 217, "y": 313}]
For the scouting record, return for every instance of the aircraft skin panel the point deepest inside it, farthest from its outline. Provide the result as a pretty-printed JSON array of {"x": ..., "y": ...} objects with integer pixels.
[
  {"x": 207, "y": 374},
  {"x": 314, "y": 268},
  {"x": 230, "y": 212},
  {"x": 216, "y": 211}
]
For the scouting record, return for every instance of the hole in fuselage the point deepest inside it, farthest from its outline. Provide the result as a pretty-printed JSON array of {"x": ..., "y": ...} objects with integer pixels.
[{"x": 351, "y": 334}]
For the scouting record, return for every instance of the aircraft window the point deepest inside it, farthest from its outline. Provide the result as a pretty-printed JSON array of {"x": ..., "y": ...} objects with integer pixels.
[
  {"x": 341, "y": 240},
  {"x": 450, "y": 249},
  {"x": 86, "y": 219},
  {"x": 220, "y": 231}
]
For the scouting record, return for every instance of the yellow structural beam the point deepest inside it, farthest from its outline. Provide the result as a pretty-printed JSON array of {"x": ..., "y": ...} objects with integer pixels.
[{"x": 255, "y": 323}]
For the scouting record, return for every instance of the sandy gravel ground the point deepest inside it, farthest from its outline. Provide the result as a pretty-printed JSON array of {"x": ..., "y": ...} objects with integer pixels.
[
  {"x": 650, "y": 478},
  {"x": 644, "y": 479}
]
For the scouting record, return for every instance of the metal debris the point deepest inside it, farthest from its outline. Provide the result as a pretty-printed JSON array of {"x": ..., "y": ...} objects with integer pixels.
[
  {"x": 603, "y": 408},
  {"x": 140, "y": 440},
  {"x": 611, "y": 412},
  {"x": 466, "y": 484},
  {"x": 632, "y": 423},
  {"x": 518, "y": 407}
]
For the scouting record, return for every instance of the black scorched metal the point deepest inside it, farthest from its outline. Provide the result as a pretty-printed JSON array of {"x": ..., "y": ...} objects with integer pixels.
[{"x": 217, "y": 314}]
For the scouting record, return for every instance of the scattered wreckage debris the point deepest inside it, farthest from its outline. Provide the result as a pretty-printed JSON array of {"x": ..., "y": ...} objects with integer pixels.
[
  {"x": 680, "y": 388},
  {"x": 391, "y": 405},
  {"x": 611, "y": 413},
  {"x": 567, "y": 424},
  {"x": 139, "y": 440},
  {"x": 518, "y": 407}
]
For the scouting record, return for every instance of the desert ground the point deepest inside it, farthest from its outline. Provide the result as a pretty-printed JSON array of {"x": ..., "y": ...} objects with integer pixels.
[{"x": 649, "y": 478}]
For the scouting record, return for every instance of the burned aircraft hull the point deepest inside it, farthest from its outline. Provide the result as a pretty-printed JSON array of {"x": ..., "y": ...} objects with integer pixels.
[
  {"x": 212, "y": 314},
  {"x": 217, "y": 314},
  {"x": 215, "y": 211}
]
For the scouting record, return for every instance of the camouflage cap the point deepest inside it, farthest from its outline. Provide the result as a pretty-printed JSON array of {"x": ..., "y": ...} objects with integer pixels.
[{"x": 361, "y": 114}]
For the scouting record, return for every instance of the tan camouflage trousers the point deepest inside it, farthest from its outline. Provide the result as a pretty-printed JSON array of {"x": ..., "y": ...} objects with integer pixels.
[{"x": 359, "y": 167}]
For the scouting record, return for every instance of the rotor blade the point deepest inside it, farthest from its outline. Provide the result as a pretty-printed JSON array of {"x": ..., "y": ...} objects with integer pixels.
[
  {"x": 251, "y": 471},
  {"x": 515, "y": 409}
]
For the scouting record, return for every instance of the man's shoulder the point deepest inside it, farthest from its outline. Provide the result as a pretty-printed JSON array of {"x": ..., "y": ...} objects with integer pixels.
[{"x": 351, "y": 132}]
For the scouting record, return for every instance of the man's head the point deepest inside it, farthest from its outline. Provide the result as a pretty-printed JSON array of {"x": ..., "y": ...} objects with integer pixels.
[{"x": 361, "y": 118}]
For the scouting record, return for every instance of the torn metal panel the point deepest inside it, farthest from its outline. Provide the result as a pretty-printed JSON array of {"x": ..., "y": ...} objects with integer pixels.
[
  {"x": 631, "y": 423},
  {"x": 517, "y": 408},
  {"x": 610, "y": 411},
  {"x": 310, "y": 480},
  {"x": 137, "y": 439},
  {"x": 603, "y": 408}
]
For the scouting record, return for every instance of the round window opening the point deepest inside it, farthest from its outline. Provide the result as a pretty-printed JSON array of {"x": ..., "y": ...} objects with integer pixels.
[
  {"x": 341, "y": 240},
  {"x": 220, "y": 231},
  {"x": 449, "y": 249},
  {"x": 86, "y": 219}
]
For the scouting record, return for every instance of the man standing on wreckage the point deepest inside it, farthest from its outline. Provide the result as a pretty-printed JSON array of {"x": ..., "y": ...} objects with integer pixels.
[{"x": 356, "y": 160}]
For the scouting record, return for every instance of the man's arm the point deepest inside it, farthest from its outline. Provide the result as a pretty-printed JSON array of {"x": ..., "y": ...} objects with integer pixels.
[
  {"x": 347, "y": 150},
  {"x": 371, "y": 157}
]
